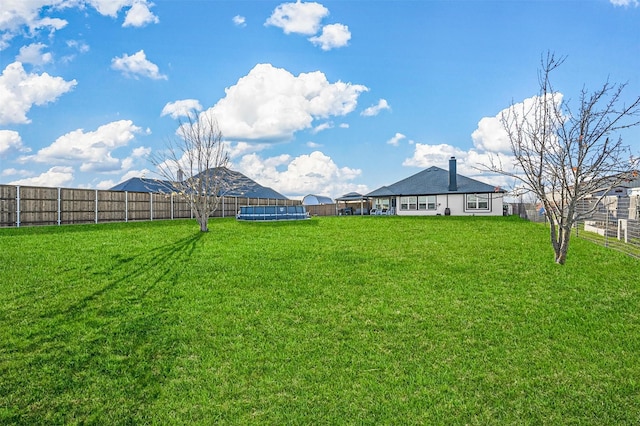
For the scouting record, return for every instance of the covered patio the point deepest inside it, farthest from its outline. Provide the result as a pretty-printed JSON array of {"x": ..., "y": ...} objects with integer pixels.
[{"x": 353, "y": 204}]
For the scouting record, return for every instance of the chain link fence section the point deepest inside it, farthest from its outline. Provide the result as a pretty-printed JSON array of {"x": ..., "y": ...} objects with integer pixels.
[{"x": 614, "y": 222}]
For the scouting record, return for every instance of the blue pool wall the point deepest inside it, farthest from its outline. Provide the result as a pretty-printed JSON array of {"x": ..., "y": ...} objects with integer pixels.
[{"x": 264, "y": 213}]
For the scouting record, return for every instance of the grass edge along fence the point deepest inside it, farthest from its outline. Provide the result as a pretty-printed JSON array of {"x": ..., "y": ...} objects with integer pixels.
[
  {"x": 614, "y": 221},
  {"x": 34, "y": 205}
]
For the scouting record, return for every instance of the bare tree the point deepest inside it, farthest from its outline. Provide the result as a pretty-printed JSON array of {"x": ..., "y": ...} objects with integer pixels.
[
  {"x": 564, "y": 156},
  {"x": 194, "y": 165}
]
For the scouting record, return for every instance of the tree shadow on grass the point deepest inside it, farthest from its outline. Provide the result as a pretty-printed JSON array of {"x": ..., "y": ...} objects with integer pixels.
[{"x": 104, "y": 356}]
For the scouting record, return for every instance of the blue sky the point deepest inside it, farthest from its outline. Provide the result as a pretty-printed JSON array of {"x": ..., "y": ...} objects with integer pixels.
[{"x": 320, "y": 97}]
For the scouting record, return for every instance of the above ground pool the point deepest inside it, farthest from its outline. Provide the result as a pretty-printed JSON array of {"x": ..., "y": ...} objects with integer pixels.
[{"x": 272, "y": 213}]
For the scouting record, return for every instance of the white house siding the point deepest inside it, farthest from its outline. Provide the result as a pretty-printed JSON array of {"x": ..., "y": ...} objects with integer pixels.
[{"x": 456, "y": 203}]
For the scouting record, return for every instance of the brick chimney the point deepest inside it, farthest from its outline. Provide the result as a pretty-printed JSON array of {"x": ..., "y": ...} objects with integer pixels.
[{"x": 453, "y": 182}]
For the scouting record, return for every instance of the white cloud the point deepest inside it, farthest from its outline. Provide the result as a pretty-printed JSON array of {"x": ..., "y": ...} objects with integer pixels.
[
  {"x": 375, "y": 109},
  {"x": 32, "y": 54},
  {"x": 240, "y": 21},
  {"x": 425, "y": 155},
  {"x": 395, "y": 140},
  {"x": 17, "y": 14},
  {"x": 106, "y": 184},
  {"x": 181, "y": 108},
  {"x": 272, "y": 104},
  {"x": 54, "y": 177},
  {"x": 80, "y": 46},
  {"x": 10, "y": 140},
  {"x": 110, "y": 183},
  {"x": 92, "y": 150},
  {"x": 324, "y": 126},
  {"x": 299, "y": 17},
  {"x": 315, "y": 173},
  {"x": 470, "y": 163},
  {"x": 19, "y": 91},
  {"x": 313, "y": 145},
  {"x": 138, "y": 153},
  {"x": 333, "y": 36},
  {"x": 137, "y": 65},
  {"x": 139, "y": 15},
  {"x": 241, "y": 148},
  {"x": 344, "y": 125},
  {"x": 490, "y": 135},
  {"x": 15, "y": 172},
  {"x": 625, "y": 3}
]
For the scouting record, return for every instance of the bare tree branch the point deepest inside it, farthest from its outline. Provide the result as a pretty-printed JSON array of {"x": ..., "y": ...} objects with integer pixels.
[
  {"x": 194, "y": 165},
  {"x": 564, "y": 156}
]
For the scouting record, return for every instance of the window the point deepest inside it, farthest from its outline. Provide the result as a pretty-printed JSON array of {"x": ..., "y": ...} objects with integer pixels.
[
  {"x": 408, "y": 203},
  {"x": 477, "y": 201},
  {"x": 427, "y": 202},
  {"x": 382, "y": 204}
]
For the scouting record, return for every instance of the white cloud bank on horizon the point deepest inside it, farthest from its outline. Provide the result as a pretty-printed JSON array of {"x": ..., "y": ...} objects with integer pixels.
[
  {"x": 272, "y": 104},
  {"x": 137, "y": 65},
  {"x": 19, "y": 91},
  {"x": 56, "y": 176},
  {"x": 315, "y": 173},
  {"x": 305, "y": 18}
]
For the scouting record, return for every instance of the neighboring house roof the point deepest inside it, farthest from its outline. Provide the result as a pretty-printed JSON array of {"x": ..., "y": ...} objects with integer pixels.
[
  {"x": 137, "y": 184},
  {"x": 352, "y": 196},
  {"x": 314, "y": 200},
  {"x": 633, "y": 180},
  {"x": 433, "y": 181},
  {"x": 629, "y": 184},
  {"x": 241, "y": 186}
]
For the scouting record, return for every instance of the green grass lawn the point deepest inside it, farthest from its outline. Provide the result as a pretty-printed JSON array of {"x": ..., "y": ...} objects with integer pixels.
[{"x": 336, "y": 320}]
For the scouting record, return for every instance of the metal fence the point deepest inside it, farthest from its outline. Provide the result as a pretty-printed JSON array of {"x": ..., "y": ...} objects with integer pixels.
[
  {"x": 30, "y": 206},
  {"x": 613, "y": 222}
]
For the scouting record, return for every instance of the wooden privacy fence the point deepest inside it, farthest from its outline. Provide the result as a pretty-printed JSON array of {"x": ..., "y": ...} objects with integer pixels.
[{"x": 30, "y": 205}]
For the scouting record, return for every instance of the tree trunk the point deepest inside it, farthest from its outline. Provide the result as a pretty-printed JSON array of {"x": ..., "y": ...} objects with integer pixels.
[{"x": 563, "y": 245}]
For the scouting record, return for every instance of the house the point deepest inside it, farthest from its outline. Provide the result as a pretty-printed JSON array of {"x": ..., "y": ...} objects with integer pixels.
[
  {"x": 239, "y": 186},
  {"x": 435, "y": 191}
]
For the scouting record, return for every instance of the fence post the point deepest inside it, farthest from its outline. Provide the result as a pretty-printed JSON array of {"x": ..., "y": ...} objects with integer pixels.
[
  {"x": 59, "y": 207},
  {"x": 223, "y": 206},
  {"x": 606, "y": 227},
  {"x": 151, "y": 205},
  {"x": 126, "y": 206},
  {"x": 172, "y": 206},
  {"x": 96, "y": 204},
  {"x": 18, "y": 206}
]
